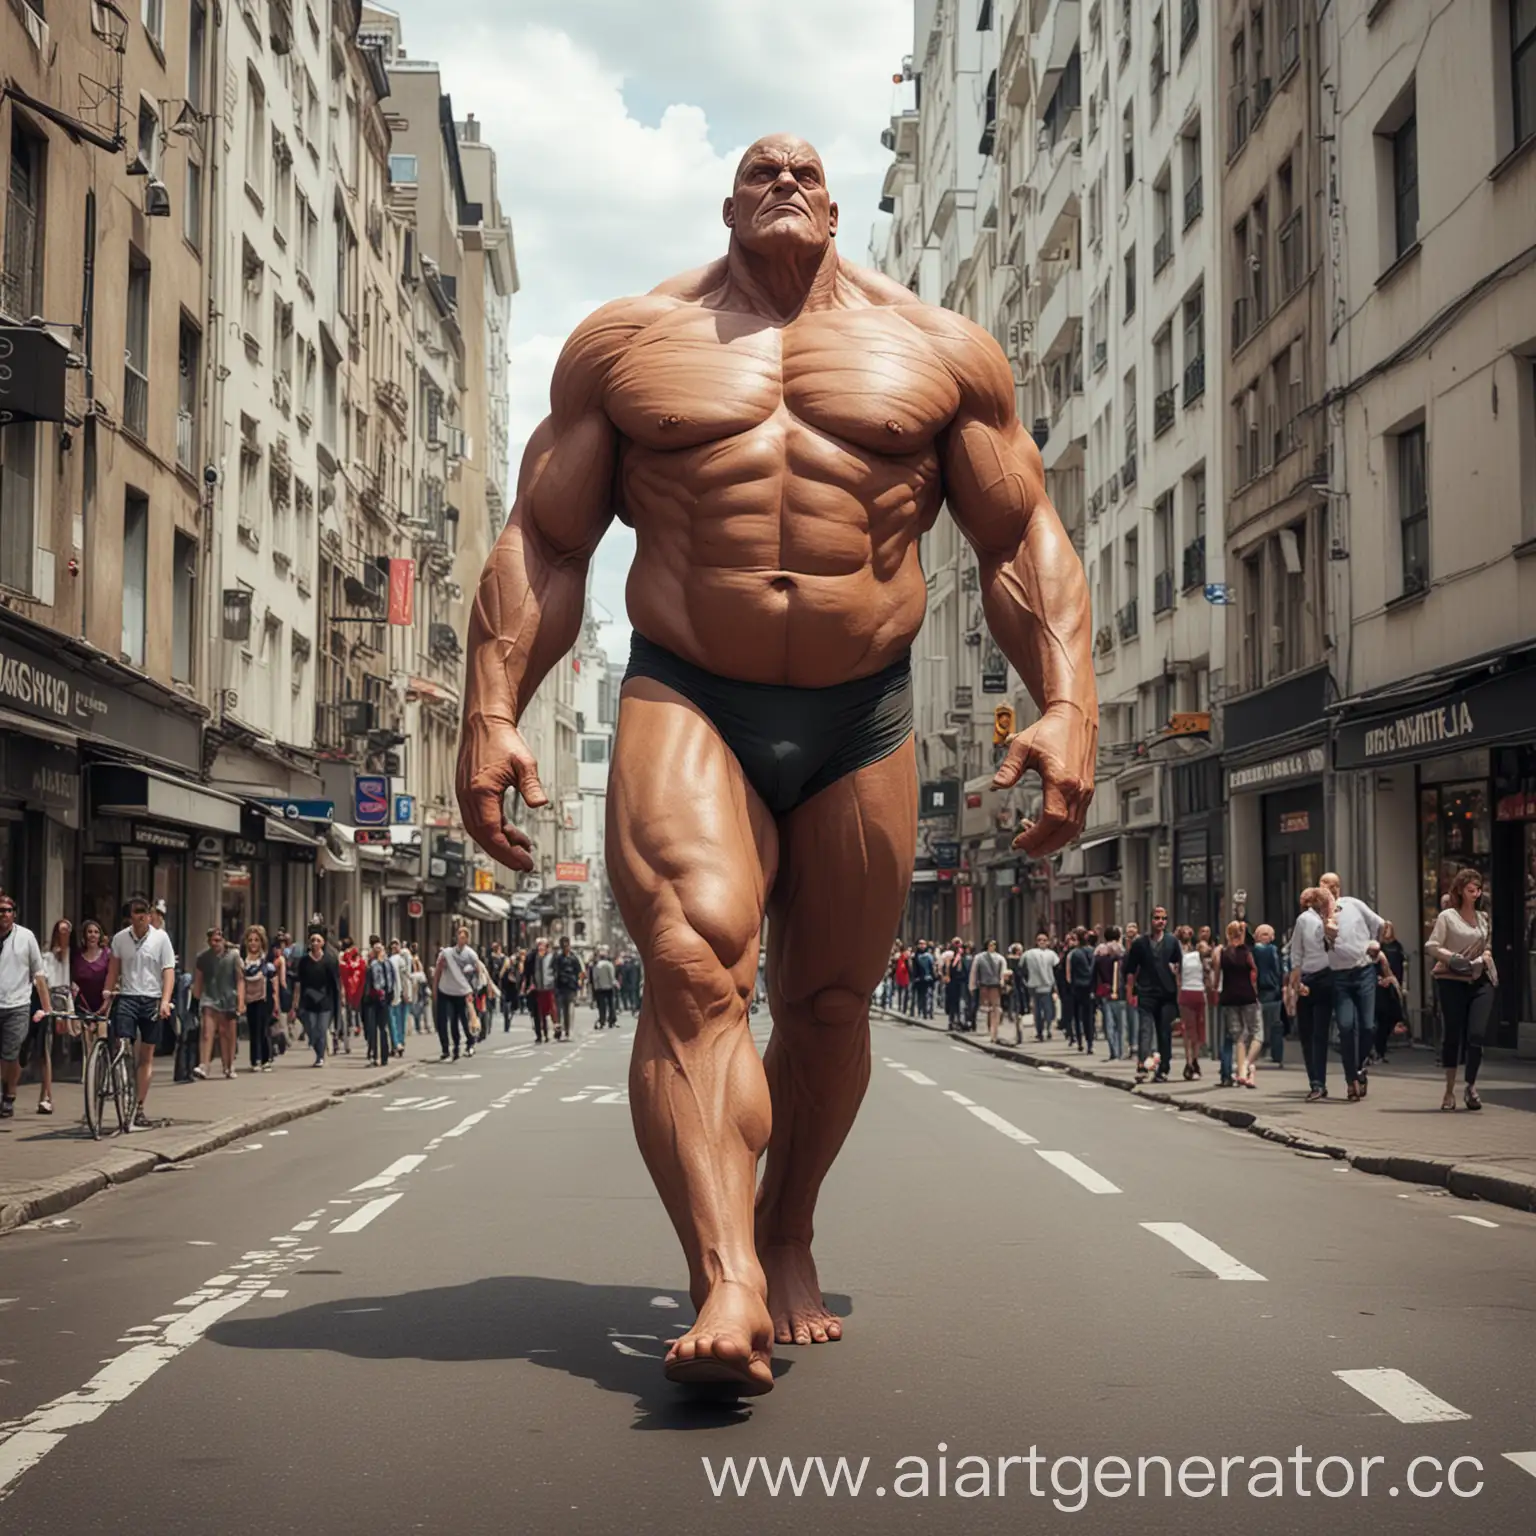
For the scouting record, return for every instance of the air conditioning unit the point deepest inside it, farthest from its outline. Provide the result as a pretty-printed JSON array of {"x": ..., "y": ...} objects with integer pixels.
[{"x": 458, "y": 444}]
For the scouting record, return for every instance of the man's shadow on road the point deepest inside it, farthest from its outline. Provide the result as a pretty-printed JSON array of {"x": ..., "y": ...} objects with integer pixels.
[{"x": 611, "y": 1335}]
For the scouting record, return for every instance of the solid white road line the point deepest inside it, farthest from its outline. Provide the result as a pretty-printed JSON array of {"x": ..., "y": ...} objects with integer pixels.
[
  {"x": 1525, "y": 1460},
  {"x": 1202, "y": 1250},
  {"x": 1401, "y": 1396},
  {"x": 365, "y": 1213},
  {"x": 467, "y": 1123},
  {"x": 996, "y": 1121},
  {"x": 1475, "y": 1221},
  {"x": 390, "y": 1174},
  {"x": 1074, "y": 1168},
  {"x": 921, "y": 1078},
  {"x": 959, "y": 1098}
]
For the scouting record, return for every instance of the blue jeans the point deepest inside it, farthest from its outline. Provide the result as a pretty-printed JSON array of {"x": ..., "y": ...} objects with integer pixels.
[
  {"x": 1354, "y": 1007},
  {"x": 1045, "y": 1013},
  {"x": 1225, "y": 1054},
  {"x": 1117, "y": 1024},
  {"x": 317, "y": 1025}
]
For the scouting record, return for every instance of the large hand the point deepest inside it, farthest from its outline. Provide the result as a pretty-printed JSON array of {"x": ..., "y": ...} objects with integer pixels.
[
  {"x": 493, "y": 758},
  {"x": 1060, "y": 747}
]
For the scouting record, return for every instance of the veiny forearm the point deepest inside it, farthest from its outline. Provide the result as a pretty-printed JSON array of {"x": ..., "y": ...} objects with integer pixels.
[
  {"x": 1036, "y": 604},
  {"x": 526, "y": 616}
]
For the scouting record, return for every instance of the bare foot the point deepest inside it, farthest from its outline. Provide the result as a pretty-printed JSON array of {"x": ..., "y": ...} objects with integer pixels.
[
  {"x": 731, "y": 1344},
  {"x": 794, "y": 1296}
]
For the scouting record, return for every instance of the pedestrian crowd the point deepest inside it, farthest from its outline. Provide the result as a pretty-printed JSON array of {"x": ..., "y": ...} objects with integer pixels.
[
  {"x": 1237, "y": 996},
  {"x": 324, "y": 993}
]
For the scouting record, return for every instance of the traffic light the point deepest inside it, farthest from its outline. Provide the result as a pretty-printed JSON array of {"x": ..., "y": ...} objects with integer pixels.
[{"x": 1002, "y": 724}]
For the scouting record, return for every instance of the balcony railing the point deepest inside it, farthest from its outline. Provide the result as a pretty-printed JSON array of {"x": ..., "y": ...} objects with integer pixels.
[
  {"x": 1162, "y": 251},
  {"x": 135, "y": 401},
  {"x": 1103, "y": 640},
  {"x": 184, "y": 436},
  {"x": 1290, "y": 48},
  {"x": 1128, "y": 470},
  {"x": 1162, "y": 592},
  {"x": 1290, "y": 255},
  {"x": 1126, "y": 621},
  {"x": 1194, "y": 380},
  {"x": 1163, "y": 411},
  {"x": 1194, "y": 201},
  {"x": 1189, "y": 25},
  {"x": 1263, "y": 89},
  {"x": 1194, "y": 563},
  {"x": 1096, "y": 502}
]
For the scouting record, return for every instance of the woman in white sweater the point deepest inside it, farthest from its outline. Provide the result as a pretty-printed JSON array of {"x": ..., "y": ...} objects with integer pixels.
[{"x": 1465, "y": 981}]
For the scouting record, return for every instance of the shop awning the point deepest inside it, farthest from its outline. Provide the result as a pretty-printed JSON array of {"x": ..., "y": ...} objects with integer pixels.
[
  {"x": 120, "y": 790},
  {"x": 487, "y": 906},
  {"x": 1097, "y": 842},
  {"x": 338, "y": 857},
  {"x": 276, "y": 830},
  {"x": 431, "y": 692}
]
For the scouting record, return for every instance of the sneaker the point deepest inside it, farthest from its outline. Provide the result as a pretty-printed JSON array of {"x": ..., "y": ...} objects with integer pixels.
[
  {"x": 141, "y": 1121},
  {"x": 200, "y": 1072},
  {"x": 7, "y": 1109},
  {"x": 443, "y": 1057},
  {"x": 470, "y": 1051}
]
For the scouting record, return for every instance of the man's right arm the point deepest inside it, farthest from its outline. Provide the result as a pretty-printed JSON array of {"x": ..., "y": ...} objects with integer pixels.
[{"x": 527, "y": 613}]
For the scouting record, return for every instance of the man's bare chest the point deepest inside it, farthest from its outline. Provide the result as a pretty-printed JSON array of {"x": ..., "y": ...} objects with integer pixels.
[{"x": 864, "y": 377}]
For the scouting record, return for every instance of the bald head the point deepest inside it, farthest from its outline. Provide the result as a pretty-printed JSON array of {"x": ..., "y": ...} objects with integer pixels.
[
  {"x": 779, "y": 207},
  {"x": 778, "y": 149}
]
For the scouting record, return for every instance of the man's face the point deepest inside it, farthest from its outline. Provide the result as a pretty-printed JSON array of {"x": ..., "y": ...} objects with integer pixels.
[
  {"x": 216, "y": 943},
  {"x": 1159, "y": 921},
  {"x": 139, "y": 922},
  {"x": 780, "y": 203},
  {"x": 463, "y": 937},
  {"x": 7, "y": 914}
]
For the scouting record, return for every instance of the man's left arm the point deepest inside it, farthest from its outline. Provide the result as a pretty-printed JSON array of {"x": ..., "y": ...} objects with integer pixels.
[{"x": 1034, "y": 592}]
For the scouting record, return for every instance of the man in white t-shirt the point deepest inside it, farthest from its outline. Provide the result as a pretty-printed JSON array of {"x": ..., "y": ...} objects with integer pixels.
[
  {"x": 142, "y": 974},
  {"x": 21, "y": 969},
  {"x": 456, "y": 978}
]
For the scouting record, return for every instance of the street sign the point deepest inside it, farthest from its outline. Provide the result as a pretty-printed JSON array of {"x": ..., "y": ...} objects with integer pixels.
[
  {"x": 405, "y": 810},
  {"x": 573, "y": 871},
  {"x": 370, "y": 800},
  {"x": 1219, "y": 594},
  {"x": 301, "y": 810},
  {"x": 414, "y": 907}
]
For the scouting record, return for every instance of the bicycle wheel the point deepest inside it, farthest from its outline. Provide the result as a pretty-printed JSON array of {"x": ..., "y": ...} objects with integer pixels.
[
  {"x": 124, "y": 1087},
  {"x": 96, "y": 1078}
]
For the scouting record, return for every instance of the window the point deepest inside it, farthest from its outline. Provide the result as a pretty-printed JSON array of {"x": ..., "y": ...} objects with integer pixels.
[
  {"x": 328, "y": 403},
  {"x": 402, "y": 170},
  {"x": 1258, "y": 254},
  {"x": 1194, "y": 183},
  {"x": 192, "y": 205},
  {"x": 1130, "y": 281},
  {"x": 1128, "y": 150},
  {"x": 1413, "y": 510},
  {"x": 253, "y": 274},
  {"x": 1162, "y": 553},
  {"x": 1241, "y": 102},
  {"x": 1405, "y": 184},
  {"x": 1291, "y": 582},
  {"x": 188, "y": 379},
  {"x": 1194, "y": 345},
  {"x": 1162, "y": 219},
  {"x": 136, "y": 349},
  {"x": 251, "y": 504},
  {"x": 594, "y": 749},
  {"x": 149, "y": 137},
  {"x": 18, "y": 512},
  {"x": 183, "y": 607},
  {"x": 282, "y": 355},
  {"x": 255, "y": 138},
  {"x": 154, "y": 20},
  {"x": 282, "y": 187},
  {"x": 1095, "y": 215},
  {"x": 1522, "y": 23},
  {"x": 21, "y": 279},
  {"x": 1162, "y": 380},
  {"x": 1189, "y": 24},
  {"x": 197, "y": 33},
  {"x": 1242, "y": 305},
  {"x": 1289, "y": 216},
  {"x": 1261, "y": 80},
  {"x": 299, "y": 651},
  {"x": 1251, "y": 598},
  {"x": 135, "y": 574}
]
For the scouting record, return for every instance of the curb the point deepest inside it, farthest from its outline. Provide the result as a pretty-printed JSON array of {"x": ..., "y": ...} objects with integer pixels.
[
  {"x": 1469, "y": 1181},
  {"x": 116, "y": 1166}
]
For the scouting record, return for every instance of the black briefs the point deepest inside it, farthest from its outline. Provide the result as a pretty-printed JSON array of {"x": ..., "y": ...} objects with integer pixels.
[{"x": 791, "y": 742}]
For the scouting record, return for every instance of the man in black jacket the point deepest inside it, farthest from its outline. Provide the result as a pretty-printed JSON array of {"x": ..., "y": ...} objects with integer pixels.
[
  {"x": 1154, "y": 961},
  {"x": 567, "y": 985}
]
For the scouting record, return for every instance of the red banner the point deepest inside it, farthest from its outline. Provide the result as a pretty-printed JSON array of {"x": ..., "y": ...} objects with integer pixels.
[{"x": 402, "y": 592}]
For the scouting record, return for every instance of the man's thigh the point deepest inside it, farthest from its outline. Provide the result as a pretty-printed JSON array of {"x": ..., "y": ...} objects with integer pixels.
[
  {"x": 691, "y": 848},
  {"x": 845, "y": 862},
  {"x": 14, "y": 1023}
]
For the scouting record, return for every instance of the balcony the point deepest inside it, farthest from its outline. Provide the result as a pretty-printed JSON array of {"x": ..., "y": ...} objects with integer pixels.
[
  {"x": 1194, "y": 380},
  {"x": 1061, "y": 317},
  {"x": 391, "y": 396},
  {"x": 1104, "y": 640},
  {"x": 135, "y": 402},
  {"x": 1126, "y": 624},
  {"x": 185, "y": 440},
  {"x": 1290, "y": 255},
  {"x": 1194, "y": 201},
  {"x": 1194, "y": 564},
  {"x": 1128, "y": 470},
  {"x": 1096, "y": 502},
  {"x": 1069, "y": 434},
  {"x": 1162, "y": 251},
  {"x": 1163, "y": 597},
  {"x": 1051, "y": 48},
  {"x": 1061, "y": 194},
  {"x": 1163, "y": 411}
]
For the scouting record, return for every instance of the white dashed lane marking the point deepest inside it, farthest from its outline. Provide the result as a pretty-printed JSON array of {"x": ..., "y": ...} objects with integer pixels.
[
  {"x": 1475, "y": 1221},
  {"x": 920, "y": 1078},
  {"x": 1400, "y": 1395},
  {"x": 365, "y": 1214},
  {"x": 384, "y": 1180},
  {"x": 996, "y": 1121},
  {"x": 1202, "y": 1250},
  {"x": 1075, "y": 1168}
]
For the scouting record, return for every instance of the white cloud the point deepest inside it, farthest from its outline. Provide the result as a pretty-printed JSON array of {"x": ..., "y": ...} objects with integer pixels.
[{"x": 617, "y": 127}]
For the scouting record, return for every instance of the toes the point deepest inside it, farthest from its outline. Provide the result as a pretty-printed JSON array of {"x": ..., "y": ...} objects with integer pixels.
[
  {"x": 834, "y": 1329},
  {"x": 819, "y": 1332},
  {"x": 802, "y": 1333}
]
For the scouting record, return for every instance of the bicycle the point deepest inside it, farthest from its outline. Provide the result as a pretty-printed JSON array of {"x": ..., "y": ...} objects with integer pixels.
[{"x": 109, "y": 1073}]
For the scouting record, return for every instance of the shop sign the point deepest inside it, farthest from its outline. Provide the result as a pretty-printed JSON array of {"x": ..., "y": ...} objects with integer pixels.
[
  {"x": 946, "y": 855},
  {"x": 1295, "y": 821},
  {"x": 939, "y": 797},
  {"x": 572, "y": 871},
  {"x": 1520, "y": 806},
  {"x": 1164, "y": 856},
  {"x": 1499, "y": 708},
  {"x": 994, "y": 670},
  {"x": 1295, "y": 765},
  {"x": 49, "y": 689},
  {"x": 414, "y": 907},
  {"x": 370, "y": 800},
  {"x": 161, "y": 837},
  {"x": 45, "y": 775},
  {"x": 300, "y": 810},
  {"x": 925, "y": 876},
  {"x": 1192, "y": 872},
  {"x": 209, "y": 853},
  {"x": 405, "y": 810},
  {"x": 484, "y": 880},
  {"x": 244, "y": 848}
]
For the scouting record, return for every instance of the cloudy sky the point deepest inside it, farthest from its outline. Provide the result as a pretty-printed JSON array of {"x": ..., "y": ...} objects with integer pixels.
[{"x": 617, "y": 125}]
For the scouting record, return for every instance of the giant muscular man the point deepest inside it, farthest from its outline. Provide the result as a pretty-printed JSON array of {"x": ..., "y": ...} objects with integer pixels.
[{"x": 779, "y": 428}]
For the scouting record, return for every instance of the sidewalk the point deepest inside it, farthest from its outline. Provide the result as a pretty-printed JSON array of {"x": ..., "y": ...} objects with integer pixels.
[
  {"x": 50, "y": 1163},
  {"x": 1399, "y": 1129}
]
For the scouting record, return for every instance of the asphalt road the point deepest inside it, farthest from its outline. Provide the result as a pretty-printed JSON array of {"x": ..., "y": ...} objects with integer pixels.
[{"x": 441, "y": 1309}]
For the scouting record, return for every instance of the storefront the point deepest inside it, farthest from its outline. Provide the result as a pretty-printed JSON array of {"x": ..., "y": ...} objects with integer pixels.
[
  {"x": 1199, "y": 842},
  {"x": 1449, "y": 774}
]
